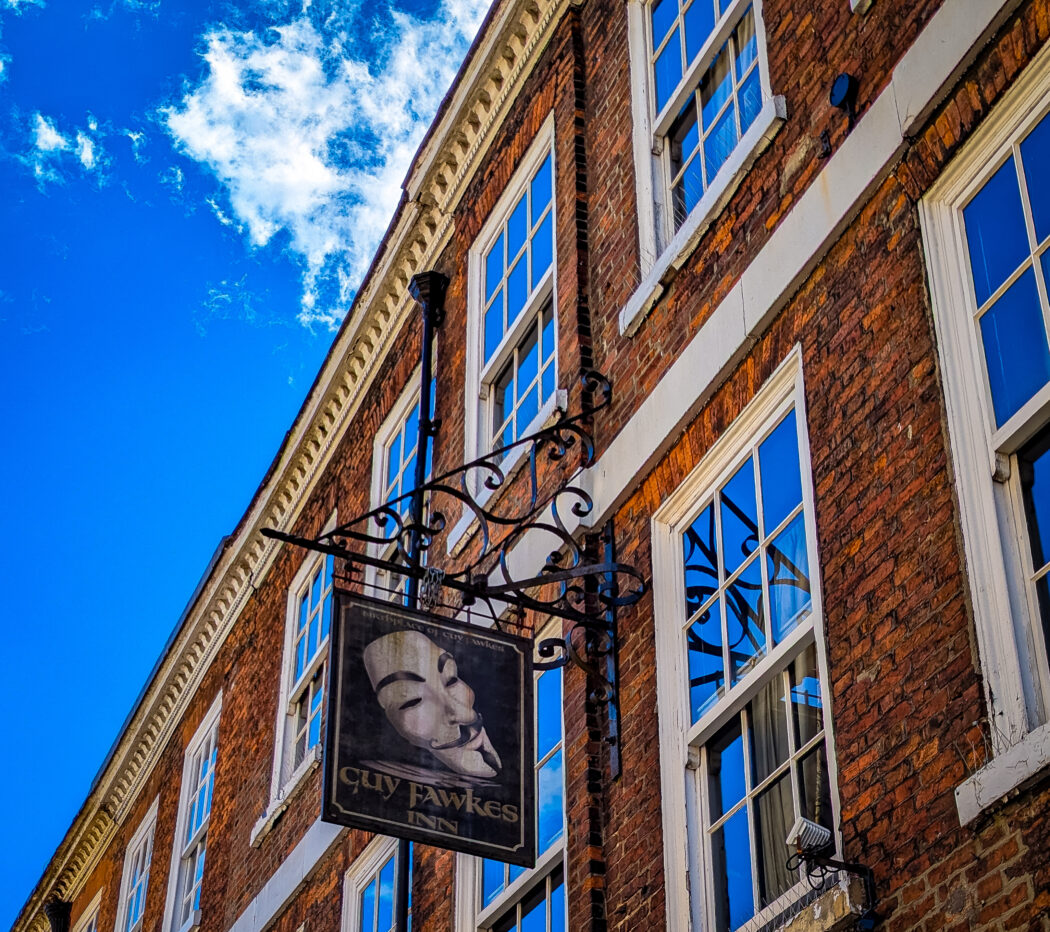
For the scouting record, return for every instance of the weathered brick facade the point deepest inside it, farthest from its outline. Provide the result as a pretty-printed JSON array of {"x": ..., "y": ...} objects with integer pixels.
[{"x": 906, "y": 685}]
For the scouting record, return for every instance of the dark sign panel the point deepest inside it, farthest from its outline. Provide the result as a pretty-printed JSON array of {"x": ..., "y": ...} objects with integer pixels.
[{"x": 430, "y": 732}]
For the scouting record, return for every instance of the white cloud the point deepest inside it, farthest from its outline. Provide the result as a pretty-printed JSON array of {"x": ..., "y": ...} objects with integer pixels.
[
  {"x": 86, "y": 151},
  {"x": 18, "y": 6},
  {"x": 52, "y": 150},
  {"x": 173, "y": 176},
  {"x": 221, "y": 215},
  {"x": 4, "y": 59},
  {"x": 312, "y": 142},
  {"x": 138, "y": 140},
  {"x": 46, "y": 137}
]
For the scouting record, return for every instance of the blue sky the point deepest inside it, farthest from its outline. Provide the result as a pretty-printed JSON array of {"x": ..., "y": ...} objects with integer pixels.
[{"x": 191, "y": 192}]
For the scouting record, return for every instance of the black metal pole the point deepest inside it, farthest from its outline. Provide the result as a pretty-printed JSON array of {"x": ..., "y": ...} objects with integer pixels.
[{"x": 428, "y": 288}]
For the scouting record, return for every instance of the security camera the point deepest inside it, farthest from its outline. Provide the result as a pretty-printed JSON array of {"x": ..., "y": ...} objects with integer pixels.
[{"x": 808, "y": 836}]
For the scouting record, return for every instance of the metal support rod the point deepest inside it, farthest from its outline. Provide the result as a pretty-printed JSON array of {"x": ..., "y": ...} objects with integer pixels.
[
  {"x": 428, "y": 288},
  {"x": 612, "y": 659}
]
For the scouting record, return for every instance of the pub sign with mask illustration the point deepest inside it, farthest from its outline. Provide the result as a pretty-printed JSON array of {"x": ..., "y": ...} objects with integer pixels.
[{"x": 430, "y": 731}]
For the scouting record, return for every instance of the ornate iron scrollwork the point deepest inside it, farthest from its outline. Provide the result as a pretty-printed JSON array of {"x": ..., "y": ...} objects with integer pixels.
[
  {"x": 385, "y": 536},
  {"x": 501, "y": 512}
]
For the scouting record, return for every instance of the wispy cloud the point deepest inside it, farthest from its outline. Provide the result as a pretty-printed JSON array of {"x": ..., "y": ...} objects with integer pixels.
[
  {"x": 105, "y": 11},
  {"x": 19, "y": 6},
  {"x": 46, "y": 137},
  {"x": 311, "y": 140},
  {"x": 138, "y": 141},
  {"x": 52, "y": 151}
]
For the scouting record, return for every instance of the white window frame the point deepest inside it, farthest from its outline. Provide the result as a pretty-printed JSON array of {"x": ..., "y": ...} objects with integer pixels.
[
  {"x": 680, "y": 741},
  {"x": 88, "y": 919},
  {"x": 661, "y": 245},
  {"x": 995, "y": 537},
  {"x": 366, "y": 868},
  {"x": 479, "y": 374},
  {"x": 142, "y": 838},
  {"x": 184, "y": 850},
  {"x": 470, "y": 916},
  {"x": 285, "y": 778}
]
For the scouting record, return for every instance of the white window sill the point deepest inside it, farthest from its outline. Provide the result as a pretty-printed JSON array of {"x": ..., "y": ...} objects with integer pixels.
[
  {"x": 280, "y": 802},
  {"x": 754, "y": 141},
  {"x": 1003, "y": 775},
  {"x": 467, "y": 524}
]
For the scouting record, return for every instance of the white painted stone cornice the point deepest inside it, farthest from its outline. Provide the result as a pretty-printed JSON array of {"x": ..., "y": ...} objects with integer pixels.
[{"x": 422, "y": 227}]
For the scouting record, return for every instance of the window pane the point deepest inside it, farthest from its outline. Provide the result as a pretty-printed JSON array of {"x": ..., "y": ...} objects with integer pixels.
[
  {"x": 750, "y": 96},
  {"x": 668, "y": 70},
  {"x": 664, "y": 13},
  {"x": 315, "y": 590},
  {"x": 492, "y": 880},
  {"x": 816, "y": 787},
  {"x": 300, "y": 657},
  {"x": 1015, "y": 348},
  {"x": 558, "y": 904},
  {"x": 745, "y": 41},
  {"x": 367, "y": 919},
  {"x": 542, "y": 250},
  {"x": 806, "y": 703},
  {"x": 774, "y": 816},
  {"x": 547, "y": 339},
  {"x": 778, "y": 463},
  {"x": 726, "y": 769},
  {"x": 530, "y": 407},
  {"x": 517, "y": 228},
  {"x": 517, "y": 290},
  {"x": 385, "y": 909},
  {"x": 706, "y": 672},
  {"x": 548, "y": 382},
  {"x": 789, "y": 589},
  {"x": 720, "y": 144},
  {"x": 715, "y": 88},
  {"x": 739, "y": 514},
  {"x": 528, "y": 358},
  {"x": 995, "y": 231},
  {"x": 1035, "y": 157},
  {"x": 699, "y": 23},
  {"x": 494, "y": 267},
  {"x": 701, "y": 561},
  {"x": 745, "y": 620},
  {"x": 548, "y": 703},
  {"x": 393, "y": 462},
  {"x": 551, "y": 802},
  {"x": 493, "y": 326},
  {"x": 688, "y": 191},
  {"x": 541, "y": 190},
  {"x": 534, "y": 910},
  {"x": 769, "y": 729},
  {"x": 1034, "y": 464},
  {"x": 684, "y": 135},
  {"x": 731, "y": 851}
]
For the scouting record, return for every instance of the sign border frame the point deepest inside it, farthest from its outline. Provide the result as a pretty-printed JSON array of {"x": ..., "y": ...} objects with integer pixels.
[{"x": 524, "y": 853}]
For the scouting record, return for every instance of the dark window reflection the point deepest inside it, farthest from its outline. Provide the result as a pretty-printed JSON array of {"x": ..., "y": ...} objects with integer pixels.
[
  {"x": 726, "y": 768},
  {"x": 1034, "y": 466}
]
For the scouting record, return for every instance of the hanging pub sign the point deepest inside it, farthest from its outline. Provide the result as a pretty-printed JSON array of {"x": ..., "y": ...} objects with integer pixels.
[{"x": 430, "y": 731}]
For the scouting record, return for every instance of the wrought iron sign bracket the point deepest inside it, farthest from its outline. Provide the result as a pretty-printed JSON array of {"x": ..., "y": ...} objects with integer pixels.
[{"x": 571, "y": 585}]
